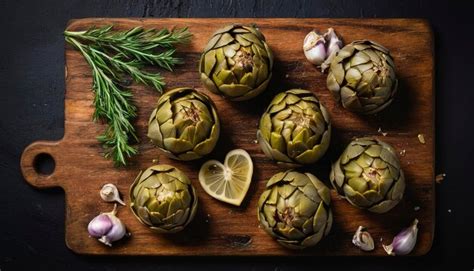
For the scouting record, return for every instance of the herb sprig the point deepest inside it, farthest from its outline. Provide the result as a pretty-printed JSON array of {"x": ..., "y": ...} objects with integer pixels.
[{"x": 112, "y": 55}]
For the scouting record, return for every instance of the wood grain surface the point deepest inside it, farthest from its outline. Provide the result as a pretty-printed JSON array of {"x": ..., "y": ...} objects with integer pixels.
[{"x": 221, "y": 229}]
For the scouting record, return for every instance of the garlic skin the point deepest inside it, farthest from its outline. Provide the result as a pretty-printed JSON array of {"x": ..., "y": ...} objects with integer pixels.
[
  {"x": 321, "y": 49},
  {"x": 335, "y": 44},
  {"x": 107, "y": 227},
  {"x": 110, "y": 193},
  {"x": 404, "y": 242},
  {"x": 363, "y": 240}
]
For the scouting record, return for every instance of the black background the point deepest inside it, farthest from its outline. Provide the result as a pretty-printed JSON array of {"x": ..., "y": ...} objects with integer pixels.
[{"x": 32, "y": 108}]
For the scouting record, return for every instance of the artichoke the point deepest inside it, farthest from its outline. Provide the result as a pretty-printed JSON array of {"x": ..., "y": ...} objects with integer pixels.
[
  {"x": 163, "y": 199},
  {"x": 369, "y": 176},
  {"x": 362, "y": 77},
  {"x": 295, "y": 209},
  {"x": 185, "y": 125},
  {"x": 295, "y": 129},
  {"x": 236, "y": 63}
]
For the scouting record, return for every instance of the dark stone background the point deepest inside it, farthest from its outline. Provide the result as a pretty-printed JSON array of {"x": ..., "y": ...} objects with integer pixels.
[{"x": 32, "y": 108}]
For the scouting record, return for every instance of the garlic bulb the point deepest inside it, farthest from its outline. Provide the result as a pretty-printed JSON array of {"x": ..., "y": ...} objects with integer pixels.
[
  {"x": 363, "y": 240},
  {"x": 404, "y": 242},
  {"x": 321, "y": 49},
  {"x": 107, "y": 227},
  {"x": 110, "y": 193}
]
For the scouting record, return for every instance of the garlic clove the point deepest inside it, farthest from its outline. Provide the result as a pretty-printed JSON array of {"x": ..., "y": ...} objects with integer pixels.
[
  {"x": 314, "y": 48},
  {"x": 118, "y": 229},
  {"x": 404, "y": 242},
  {"x": 99, "y": 226},
  {"x": 363, "y": 240},
  {"x": 311, "y": 40},
  {"x": 110, "y": 193}
]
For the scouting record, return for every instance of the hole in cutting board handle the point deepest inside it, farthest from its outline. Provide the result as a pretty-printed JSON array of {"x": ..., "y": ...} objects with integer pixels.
[{"x": 44, "y": 164}]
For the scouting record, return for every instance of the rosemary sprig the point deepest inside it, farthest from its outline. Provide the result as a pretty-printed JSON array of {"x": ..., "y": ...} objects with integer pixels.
[
  {"x": 112, "y": 55},
  {"x": 138, "y": 43}
]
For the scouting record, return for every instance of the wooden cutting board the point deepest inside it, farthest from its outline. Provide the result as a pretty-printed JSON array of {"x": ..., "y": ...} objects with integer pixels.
[{"x": 221, "y": 229}]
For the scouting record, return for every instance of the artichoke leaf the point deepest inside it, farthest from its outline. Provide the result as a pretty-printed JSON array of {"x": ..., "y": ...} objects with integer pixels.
[
  {"x": 234, "y": 90},
  {"x": 225, "y": 39}
]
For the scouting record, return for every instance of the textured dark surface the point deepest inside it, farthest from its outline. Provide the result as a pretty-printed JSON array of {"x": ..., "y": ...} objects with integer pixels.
[{"x": 31, "y": 106}]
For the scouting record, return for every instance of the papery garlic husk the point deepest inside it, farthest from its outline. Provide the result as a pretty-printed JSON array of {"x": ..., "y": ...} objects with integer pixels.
[
  {"x": 363, "y": 240},
  {"x": 335, "y": 44},
  {"x": 404, "y": 242},
  {"x": 107, "y": 227},
  {"x": 110, "y": 193},
  {"x": 321, "y": 49}
]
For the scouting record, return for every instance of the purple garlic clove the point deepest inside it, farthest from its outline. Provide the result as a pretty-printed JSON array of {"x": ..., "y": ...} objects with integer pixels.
[
  {"x": 99, "y": 226},
  {"x": 404, "y": 242}
]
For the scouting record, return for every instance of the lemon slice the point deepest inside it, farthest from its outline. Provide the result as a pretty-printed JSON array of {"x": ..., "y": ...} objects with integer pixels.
[{"x": 228, "y": 182}]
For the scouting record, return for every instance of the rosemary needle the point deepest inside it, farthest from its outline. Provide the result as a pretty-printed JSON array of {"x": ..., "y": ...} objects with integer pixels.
[{"x": 112, "y": 55}]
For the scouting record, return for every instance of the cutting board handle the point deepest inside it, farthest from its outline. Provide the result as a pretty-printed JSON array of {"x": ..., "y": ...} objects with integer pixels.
[{"x": 30, "y": 159}]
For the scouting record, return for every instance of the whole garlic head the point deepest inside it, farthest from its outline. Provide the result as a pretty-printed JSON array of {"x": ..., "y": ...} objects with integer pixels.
[{"x": 321, "y": 49}]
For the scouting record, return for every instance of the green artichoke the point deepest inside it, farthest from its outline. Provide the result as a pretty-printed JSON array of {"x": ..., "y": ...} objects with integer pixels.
[
  {"x": 369, "y": 176},
  {"x": 185, "y": 125},
  {"x": 295, "y": 129},
  {"x": 295, "y": 209},
  {"x": 163, "y": 199},
  {"x": 236, "y": 63},
  {"x": 362, "y": 77}
]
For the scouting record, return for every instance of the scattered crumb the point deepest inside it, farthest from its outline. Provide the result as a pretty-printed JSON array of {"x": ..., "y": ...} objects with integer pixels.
[
  {"x": 402, "y": 152},
  {"x": 259, "y": 226},
  {"x": 440, "y": 177},
  {"x": 381, "y": 239},
  {"x": 383, "y": 133},
  {"x": 287, "y": 75},
  {"x": 208, "y": 215},
  {"x": 155, "y": 161},
  {"x": 207, "y": 221},
  {"x": 421, "y": 138},
  {"x": 416, "y": 209},
  {"x": 449, "y": 211},
  {"x": 255, "y": 141}
]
